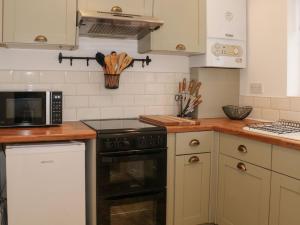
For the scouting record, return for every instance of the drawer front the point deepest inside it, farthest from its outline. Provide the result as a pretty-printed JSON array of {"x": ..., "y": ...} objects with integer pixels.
[
  {"x": 193, "y": 142},
  {"x": 247, "y": 150},
  {"x": 286, "y": 161}
]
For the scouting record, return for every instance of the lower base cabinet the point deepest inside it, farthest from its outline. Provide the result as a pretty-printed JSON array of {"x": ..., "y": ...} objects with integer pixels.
[
  {"x": 244, "y": 193},
  {"x": 192, "y": 177},
  {"x": 285, "y": 200}
]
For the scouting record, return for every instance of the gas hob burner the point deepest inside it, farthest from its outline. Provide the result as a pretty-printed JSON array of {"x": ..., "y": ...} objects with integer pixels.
[{"x": 282, "y": 128}]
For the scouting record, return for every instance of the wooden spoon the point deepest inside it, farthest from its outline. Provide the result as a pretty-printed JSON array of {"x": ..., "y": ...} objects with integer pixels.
[
  {"x": 108, "y": 65},
  {"x": 114, "y": 62},
  {"x": 126, "y": 62},
  {"x": 121, "y": 58}
]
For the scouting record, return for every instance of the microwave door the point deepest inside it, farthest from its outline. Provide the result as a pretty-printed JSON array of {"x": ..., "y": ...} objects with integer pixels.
[{"x": 23, "y": 109}]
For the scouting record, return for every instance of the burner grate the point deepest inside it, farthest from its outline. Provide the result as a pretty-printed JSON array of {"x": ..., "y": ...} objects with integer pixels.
[{"x": 279, "y": 127}]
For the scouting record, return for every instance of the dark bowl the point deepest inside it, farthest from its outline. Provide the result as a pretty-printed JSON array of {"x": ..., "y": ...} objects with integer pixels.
[{"x": 236, "y": 112}]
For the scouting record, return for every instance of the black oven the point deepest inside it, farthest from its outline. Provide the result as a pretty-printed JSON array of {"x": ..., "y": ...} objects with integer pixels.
[
  {"x": 148, "y": 208},
  {"x": 131, "y": 165},
  {"x": 30, "y": 108},
  {"x": 131, "y": 171}
]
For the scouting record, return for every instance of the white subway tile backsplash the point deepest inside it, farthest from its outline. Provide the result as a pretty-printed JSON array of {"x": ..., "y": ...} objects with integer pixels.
[
  {"x": 133, "y": 112},
  {"x": 69, "y": 114},
  {"x": 76, "y": 77},
  {"x": 270, "y": 114},
  {"x": 246, "y": 100},
  {"x": 262, "y": 102},
  {"x": 6, "y": 76},
  {"x": 290, "y": 115},
  {"x": 88, "y": 89},
  {"x": 154, "y": 89},
  {"x": 85, "y": 96},
  {"x": 26, "y": 77},
  {"x": 295, "y": 104},
  {"x": 112, "y": 112},
  {"x": 52, "y": 77},
  {"x": 88, "y": 113},
  {"x": 123, "y": 100},
  {"x": 280, "y": 103},
  {"x": 76, "y": 101}
]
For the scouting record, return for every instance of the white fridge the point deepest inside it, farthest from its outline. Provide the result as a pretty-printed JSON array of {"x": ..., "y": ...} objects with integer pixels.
[{"x": 46, "y": 184}]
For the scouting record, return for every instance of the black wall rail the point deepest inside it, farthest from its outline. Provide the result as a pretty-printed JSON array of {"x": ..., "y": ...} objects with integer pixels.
[{"x": 144, "y": 61}]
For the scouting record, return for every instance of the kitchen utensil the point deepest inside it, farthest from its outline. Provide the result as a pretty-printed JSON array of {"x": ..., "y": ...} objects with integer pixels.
[
  {"x": 108, "y": 66},
  {"x": 114, "y": 62},
  {"x": 236, "y": 112},
  {"x": 121, "y": 58},
  {"x": 100, "y": 59},
  {"x": 126, "y": 62}
]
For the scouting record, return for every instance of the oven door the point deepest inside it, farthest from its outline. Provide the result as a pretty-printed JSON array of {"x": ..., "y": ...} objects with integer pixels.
[
  {"x": 142, "y": 209},
  {"x": 22, "y": 109},
  {"x": 131, "y": 172}
]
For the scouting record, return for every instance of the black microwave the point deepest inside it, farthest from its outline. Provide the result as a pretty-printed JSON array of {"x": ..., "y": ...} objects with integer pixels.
[{"x": 30, "y": 108}]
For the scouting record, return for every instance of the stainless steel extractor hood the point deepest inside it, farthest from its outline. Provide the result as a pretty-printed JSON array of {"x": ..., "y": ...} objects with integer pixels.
[{"x": 116, "y": 25}]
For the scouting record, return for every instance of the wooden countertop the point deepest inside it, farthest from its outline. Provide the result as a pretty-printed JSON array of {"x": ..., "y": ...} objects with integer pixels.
[
  {"x": 65, "y": 132},
  {"x": 227, "y": 126}
]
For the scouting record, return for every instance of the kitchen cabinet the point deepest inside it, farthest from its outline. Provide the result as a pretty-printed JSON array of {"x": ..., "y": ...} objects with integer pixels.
[
  {"x": 285, "y": 200},
  {"x": 243, "y": 193},
  {"x": 181, "y": 30},
  {"x": 134, "y": 7},
  {"x": 226, "y": 19},
  {"x": 44, "y": 24},
  {"x": 192, "y": 189}
]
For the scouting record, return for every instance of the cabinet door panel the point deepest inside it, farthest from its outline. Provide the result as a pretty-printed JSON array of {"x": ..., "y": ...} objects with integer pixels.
[
  {"x": 54, "y": 19},
  {"x": 285, "y": 200},
  {"x": 181, "y": 25},
  {"x": 136, "y": 7},
  {"x": 226, "y": 19},
  {"x": 192, "y": 189},
  {"x": 243, "y": 195}
]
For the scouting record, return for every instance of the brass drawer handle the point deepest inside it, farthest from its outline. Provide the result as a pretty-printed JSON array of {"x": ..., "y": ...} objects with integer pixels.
[
  {"x": 241, "y": 167},
  {"x": 181, "y": 47},
  {"x": 242, "y": 149},
  {"x": 194, "y": 159},
  {"x": 41, "y": 39},
  {"x": 194, "y": 143},
  {"x": 116, "y": 9},
  {"x": 229, "y": 35}
]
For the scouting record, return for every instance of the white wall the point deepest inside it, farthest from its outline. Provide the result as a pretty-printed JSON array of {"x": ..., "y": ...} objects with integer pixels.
[
  {"x": 267, "y": 47},
  {"x": 148, "y": 90}
]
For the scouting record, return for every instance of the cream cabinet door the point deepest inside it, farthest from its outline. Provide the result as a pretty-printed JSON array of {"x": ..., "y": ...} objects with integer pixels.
[
  {"x": 192, "y": 176},
  {"x": 181, "y": 29},
  {"x": 135, "y": 7},
  {"x": 244, "y": 193},
  {"x": 226, "y": 19},
  {"x": 40, "y": 22},
  {"x": 285, "y": 200}
]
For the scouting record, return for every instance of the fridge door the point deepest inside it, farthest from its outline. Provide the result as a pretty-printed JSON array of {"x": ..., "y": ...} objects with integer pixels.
[{"x": 46, "y": 184}]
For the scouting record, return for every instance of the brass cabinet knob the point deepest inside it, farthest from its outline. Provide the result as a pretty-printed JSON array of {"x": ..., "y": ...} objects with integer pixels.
[
  {"x": 116, "y": 9},
  {"x": 41, "y": 39},
  {"x": 242, "y": 167},
  {"x": 194, "y": 159},
  {"x": 242, "y": 149},
  {"x": 180, "y": 47},
  {"x": 194, "y": 143}
]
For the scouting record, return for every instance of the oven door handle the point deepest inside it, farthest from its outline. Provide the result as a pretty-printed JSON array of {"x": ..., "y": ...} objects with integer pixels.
[
  {"x": 133, "y": 152},
  {"x": 157, "y": 192}
]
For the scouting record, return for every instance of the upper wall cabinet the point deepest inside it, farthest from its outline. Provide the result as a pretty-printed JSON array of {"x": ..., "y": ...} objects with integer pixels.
[
  {"x": 181, "y": 29},
  {"x": 135, "y": 7},
  {"x": 226, "y": 19},
  {"x": 44, "y": 24}
]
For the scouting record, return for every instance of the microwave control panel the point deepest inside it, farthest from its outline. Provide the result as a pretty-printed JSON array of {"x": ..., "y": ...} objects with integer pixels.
[
  {"x": 227, "y": 50},
  {"x": 56, "y": 102}
]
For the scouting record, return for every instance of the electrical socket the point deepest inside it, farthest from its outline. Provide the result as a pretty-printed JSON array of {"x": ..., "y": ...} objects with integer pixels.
[{"x": 256, "y": 88}]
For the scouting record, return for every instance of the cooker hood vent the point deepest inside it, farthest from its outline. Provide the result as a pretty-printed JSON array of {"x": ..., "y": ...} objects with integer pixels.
[{"x": 116, "y": 25}]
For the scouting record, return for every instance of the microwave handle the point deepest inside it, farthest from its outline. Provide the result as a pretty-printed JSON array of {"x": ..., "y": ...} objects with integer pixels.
[{"x": 48, "y": 113}]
